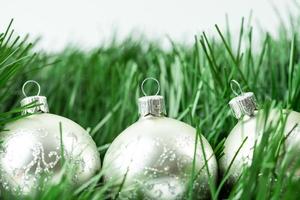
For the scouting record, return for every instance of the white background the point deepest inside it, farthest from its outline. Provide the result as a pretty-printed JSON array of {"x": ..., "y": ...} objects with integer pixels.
[{"x": 87, "y": 23}]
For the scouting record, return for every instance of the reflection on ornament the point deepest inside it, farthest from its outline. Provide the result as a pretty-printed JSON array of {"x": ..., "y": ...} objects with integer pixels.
[
  {"x": 154, "y": 157},
  {"x": 31, "y": 150},
  {"x": 239, "y": 145}
]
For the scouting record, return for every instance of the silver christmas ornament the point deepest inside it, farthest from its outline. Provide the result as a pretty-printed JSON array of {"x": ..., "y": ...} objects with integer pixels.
[
  {"x": 239, "y": 145},
  {"x": 153, "y": 158},
  {"x": 35, "y": 146}
]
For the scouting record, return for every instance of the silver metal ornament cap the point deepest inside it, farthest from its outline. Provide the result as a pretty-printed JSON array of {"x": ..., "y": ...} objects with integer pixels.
[
  {"x": 40, "y": 104},
  {"x": 243, "y": 103},
  {"x": 151, "y": 105}
]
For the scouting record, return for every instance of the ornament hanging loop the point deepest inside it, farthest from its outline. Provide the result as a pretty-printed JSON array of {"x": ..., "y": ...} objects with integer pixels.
[
  {"x": 235, "y": 92},
  {"x": 151, "y": 104},
  {"x": 243, "y": 103},
  {"x": 40, "y": 102},
  {"x": 147, "y": 79},
  {"x": 31, "y": 81}
]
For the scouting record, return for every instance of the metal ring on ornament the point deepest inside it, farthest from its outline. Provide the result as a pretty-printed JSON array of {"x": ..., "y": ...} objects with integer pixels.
[
  {"x": 144, "y": 81},
  {"x": 232, "y": 82},
  {"x": 31, "y": 81}
]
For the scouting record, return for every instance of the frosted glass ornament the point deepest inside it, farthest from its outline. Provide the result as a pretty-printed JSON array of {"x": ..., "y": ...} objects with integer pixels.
[
  {"x": 240, "y": 143},
  {"x": 154, "y": 157},
  {"x": 35, "y": 145}
]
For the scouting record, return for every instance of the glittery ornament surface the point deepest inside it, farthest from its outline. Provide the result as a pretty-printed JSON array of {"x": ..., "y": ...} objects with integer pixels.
[
  {"x": 32, "y": 148},
  {"x": 155, "y": 156},
  {"x": 249, "y": 130}
]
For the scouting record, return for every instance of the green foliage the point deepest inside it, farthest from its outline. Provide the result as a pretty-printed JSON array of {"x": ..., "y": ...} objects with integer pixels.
[{"x": 99, "y": 89}]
